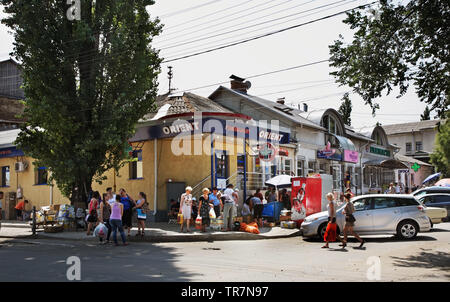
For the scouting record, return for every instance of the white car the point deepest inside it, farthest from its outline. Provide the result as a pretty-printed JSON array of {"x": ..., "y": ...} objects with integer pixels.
[{"x": 376, "y": 214}]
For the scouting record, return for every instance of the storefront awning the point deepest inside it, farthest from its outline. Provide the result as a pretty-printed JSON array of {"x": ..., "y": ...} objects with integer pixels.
[
  {"x": 386, "y": 163},
  {"x": 345, "y": 143}
]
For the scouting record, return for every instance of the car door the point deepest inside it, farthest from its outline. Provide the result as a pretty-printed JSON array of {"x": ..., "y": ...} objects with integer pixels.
[
  {"x": 363, "y": 215},
  {"x": 385, "y": 214}
]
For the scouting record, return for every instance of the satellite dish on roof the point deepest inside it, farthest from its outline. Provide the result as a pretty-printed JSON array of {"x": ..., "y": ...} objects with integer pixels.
[{"x": 248, "y": 84}]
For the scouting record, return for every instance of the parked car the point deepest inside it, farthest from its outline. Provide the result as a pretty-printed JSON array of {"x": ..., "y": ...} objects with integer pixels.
[
  {"x": 438, "y": 200},
  {"x": 376, "y": 214},
  {"x": 431, "y": 190}
]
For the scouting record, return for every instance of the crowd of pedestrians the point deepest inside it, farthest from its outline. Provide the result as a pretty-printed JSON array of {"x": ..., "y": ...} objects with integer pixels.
[{"x": 113, "y": 214}]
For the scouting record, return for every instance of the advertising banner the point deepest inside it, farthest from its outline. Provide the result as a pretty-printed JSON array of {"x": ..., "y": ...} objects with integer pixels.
[
  {"x": 351, "y": 156},
  {"x": 306, "y": 197}
]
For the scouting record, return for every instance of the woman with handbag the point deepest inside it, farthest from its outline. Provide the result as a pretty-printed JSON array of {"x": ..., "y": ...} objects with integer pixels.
[
  {"x": 141, "y": 209},
  {"x": 204, "y": 207},
  {"x": 93, "y": 215},
  {"x": 331, "y": 231},
  {"x": 186, "y": 208},
  {"x": 350, "y": 221}
]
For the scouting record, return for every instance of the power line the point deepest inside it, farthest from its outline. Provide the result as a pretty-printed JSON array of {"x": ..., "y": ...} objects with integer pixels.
[
  {"x": 184, "y": 10},
  {"x": 208, "y": 15},
  {"x": 267, "y": 34},
  {"x": 236, "y": 18},
  {"x": 178, "y": 53}
]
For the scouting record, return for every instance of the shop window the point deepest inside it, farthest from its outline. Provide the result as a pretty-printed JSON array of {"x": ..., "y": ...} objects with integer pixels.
[
  {"x": 136, "y": 166},
  {"x": 311, "y": 167},
  {"x": 408, "y": 147},
  {"x": 300, "y": 167},
  {"x": 41, "y": 176},
  {"x": 419, "y": 146},
  {"x": 4, "y": 177},
  {"x": 287, "y": 167},
  {"x": 322, "y": 168}
]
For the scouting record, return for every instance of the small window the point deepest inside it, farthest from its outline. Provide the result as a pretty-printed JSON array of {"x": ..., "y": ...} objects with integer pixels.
[
  {"x": 419, "y": 146},
  {"x": 136, "y": 166},
  {"x": 311, "y": 166},
  {"x": 408, "y": 147},
  {"x": 41, "y": 176},
  {"x": 362, "y": 204},
  {"x": 5, "y": 177},
  {"x": 300, "y": 164},
  {"x": 382, "y": 203}
]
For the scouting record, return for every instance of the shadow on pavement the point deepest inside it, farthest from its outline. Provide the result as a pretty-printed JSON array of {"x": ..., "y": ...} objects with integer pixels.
[
  {"x": 379, "y": 239},
  {"x": 46, "y": 261},
  {"x": 435, "y": 260}
]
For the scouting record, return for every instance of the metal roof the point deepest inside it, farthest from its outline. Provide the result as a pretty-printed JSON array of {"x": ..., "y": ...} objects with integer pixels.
[
  {"x": 286, "y": 112},
  {"x": 409, "y": 127}
]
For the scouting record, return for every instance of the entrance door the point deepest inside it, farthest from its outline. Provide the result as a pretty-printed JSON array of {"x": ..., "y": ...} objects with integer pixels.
[
  {"x": 221, "y": 163},
  {"x": 174, "y": 191},
  {"x": 241, "y": 169}
]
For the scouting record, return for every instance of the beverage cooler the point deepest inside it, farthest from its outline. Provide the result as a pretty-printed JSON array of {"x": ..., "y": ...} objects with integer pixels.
[{"x": 308, "y": 195}]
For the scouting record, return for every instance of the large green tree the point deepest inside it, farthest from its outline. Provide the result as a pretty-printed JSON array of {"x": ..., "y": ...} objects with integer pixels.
[
  {"x": 395, "y": 45},
  {"x": 87, "y": 81},
  {"x": 440, "y": 157}
]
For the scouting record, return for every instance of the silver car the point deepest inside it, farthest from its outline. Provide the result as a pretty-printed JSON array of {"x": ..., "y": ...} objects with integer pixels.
[{"x": 378, "y": 214}]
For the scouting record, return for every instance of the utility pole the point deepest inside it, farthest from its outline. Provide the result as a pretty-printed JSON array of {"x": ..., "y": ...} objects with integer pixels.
[{"x": 170, "y": 77}]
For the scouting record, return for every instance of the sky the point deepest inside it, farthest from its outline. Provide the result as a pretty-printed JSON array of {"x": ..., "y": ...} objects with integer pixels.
[{"x": 196, "y": 25}]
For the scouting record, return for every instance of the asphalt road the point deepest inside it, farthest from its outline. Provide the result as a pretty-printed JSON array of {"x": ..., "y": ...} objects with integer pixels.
[{"x": 427, "y": 258}]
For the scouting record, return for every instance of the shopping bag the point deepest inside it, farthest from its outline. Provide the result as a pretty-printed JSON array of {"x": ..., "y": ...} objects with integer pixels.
[
  {"x": 212, "y": 214},
  {"x": 198, "y": 223},
  {"x": 100, "y": 231},
  {"x": 180, "y": 218}
]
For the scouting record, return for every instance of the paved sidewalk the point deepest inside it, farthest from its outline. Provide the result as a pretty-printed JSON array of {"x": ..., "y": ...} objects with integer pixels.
[{"x": 158, "y": 232}]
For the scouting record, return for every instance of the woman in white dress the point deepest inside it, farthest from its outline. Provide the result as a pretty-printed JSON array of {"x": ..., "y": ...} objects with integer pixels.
[{"x": 186, "y": 208}]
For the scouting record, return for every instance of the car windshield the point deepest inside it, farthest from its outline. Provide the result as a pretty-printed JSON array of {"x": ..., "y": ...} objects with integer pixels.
[{"x": 420, "y": 194}]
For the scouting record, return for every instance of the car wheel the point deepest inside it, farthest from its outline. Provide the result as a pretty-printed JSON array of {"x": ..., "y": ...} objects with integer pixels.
[
  {"x": 321, "y": 230},
  {"x": 407, "y": 229}
]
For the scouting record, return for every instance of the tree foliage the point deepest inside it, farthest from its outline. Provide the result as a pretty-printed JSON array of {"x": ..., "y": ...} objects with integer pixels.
[
  {"x": 346, "y": 109},
  {"x": 440, "y": 158},
  {"x": 426, "y": 114},
  {"x": 87, "y": 82},
  {"x": 398, "y": 45}
]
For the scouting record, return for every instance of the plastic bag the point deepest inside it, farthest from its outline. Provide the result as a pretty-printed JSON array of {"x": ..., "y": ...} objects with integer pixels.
[
  {"x": 101, "y": 230},
  {"x": 198, "y": 222},
  {"x": 212, "y": 214}
]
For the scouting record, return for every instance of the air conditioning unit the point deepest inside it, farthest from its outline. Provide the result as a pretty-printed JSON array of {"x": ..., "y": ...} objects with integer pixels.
[{"x": 20, "y": 166}]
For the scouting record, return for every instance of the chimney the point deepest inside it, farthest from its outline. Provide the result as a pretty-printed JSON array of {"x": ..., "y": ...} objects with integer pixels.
[
  {"x": 305, "y": 107},
  {"x": 280, "y": 101},
  {"x": 238, "y": 84}
]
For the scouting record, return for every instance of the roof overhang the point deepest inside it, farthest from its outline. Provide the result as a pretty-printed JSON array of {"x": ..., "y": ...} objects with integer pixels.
[{"x": 386, "y": 163}]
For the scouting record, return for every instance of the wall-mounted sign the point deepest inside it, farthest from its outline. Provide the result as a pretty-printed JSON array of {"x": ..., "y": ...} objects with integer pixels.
[
  {"x": 351, "y": 156},
  {"x": 415, "y": 167},
  {"x": 283, "y": 152},
  {"x": 218, "y": 126},
  {"x": 267, "y": 152},
  {"x": 10, "y": 152},
  {"x": 379, "y": 151},
  {"x": 329, "y": 153}
]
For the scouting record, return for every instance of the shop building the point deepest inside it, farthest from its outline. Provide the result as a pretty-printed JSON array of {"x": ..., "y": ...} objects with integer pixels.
[
  {"x": 298, "y": 156},
  {"x": 189, "y": 140},
  {"x": 378, "y": 161}
]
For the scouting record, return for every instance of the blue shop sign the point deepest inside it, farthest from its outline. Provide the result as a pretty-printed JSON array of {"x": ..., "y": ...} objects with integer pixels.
[
  {"x": 10, "y": 152},
  {"x": 336, "y": 155},
  {"x": 218, "y": 126}
]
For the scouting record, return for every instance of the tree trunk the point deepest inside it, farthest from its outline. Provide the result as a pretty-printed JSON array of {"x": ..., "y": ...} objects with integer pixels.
[{"x": 80, "y": 194}]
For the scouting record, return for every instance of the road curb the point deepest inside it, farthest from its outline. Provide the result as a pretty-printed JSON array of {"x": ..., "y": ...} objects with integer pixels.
[{"x": 184, "y": 238}]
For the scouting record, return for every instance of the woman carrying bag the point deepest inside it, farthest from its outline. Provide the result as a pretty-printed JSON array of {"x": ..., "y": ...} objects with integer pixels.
[
  {"x": 186, "y": 208},
  {"x": 203, "y": 209},
  {"x": 330, "y": 233},
  {"x": 93, "y": 215}
]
